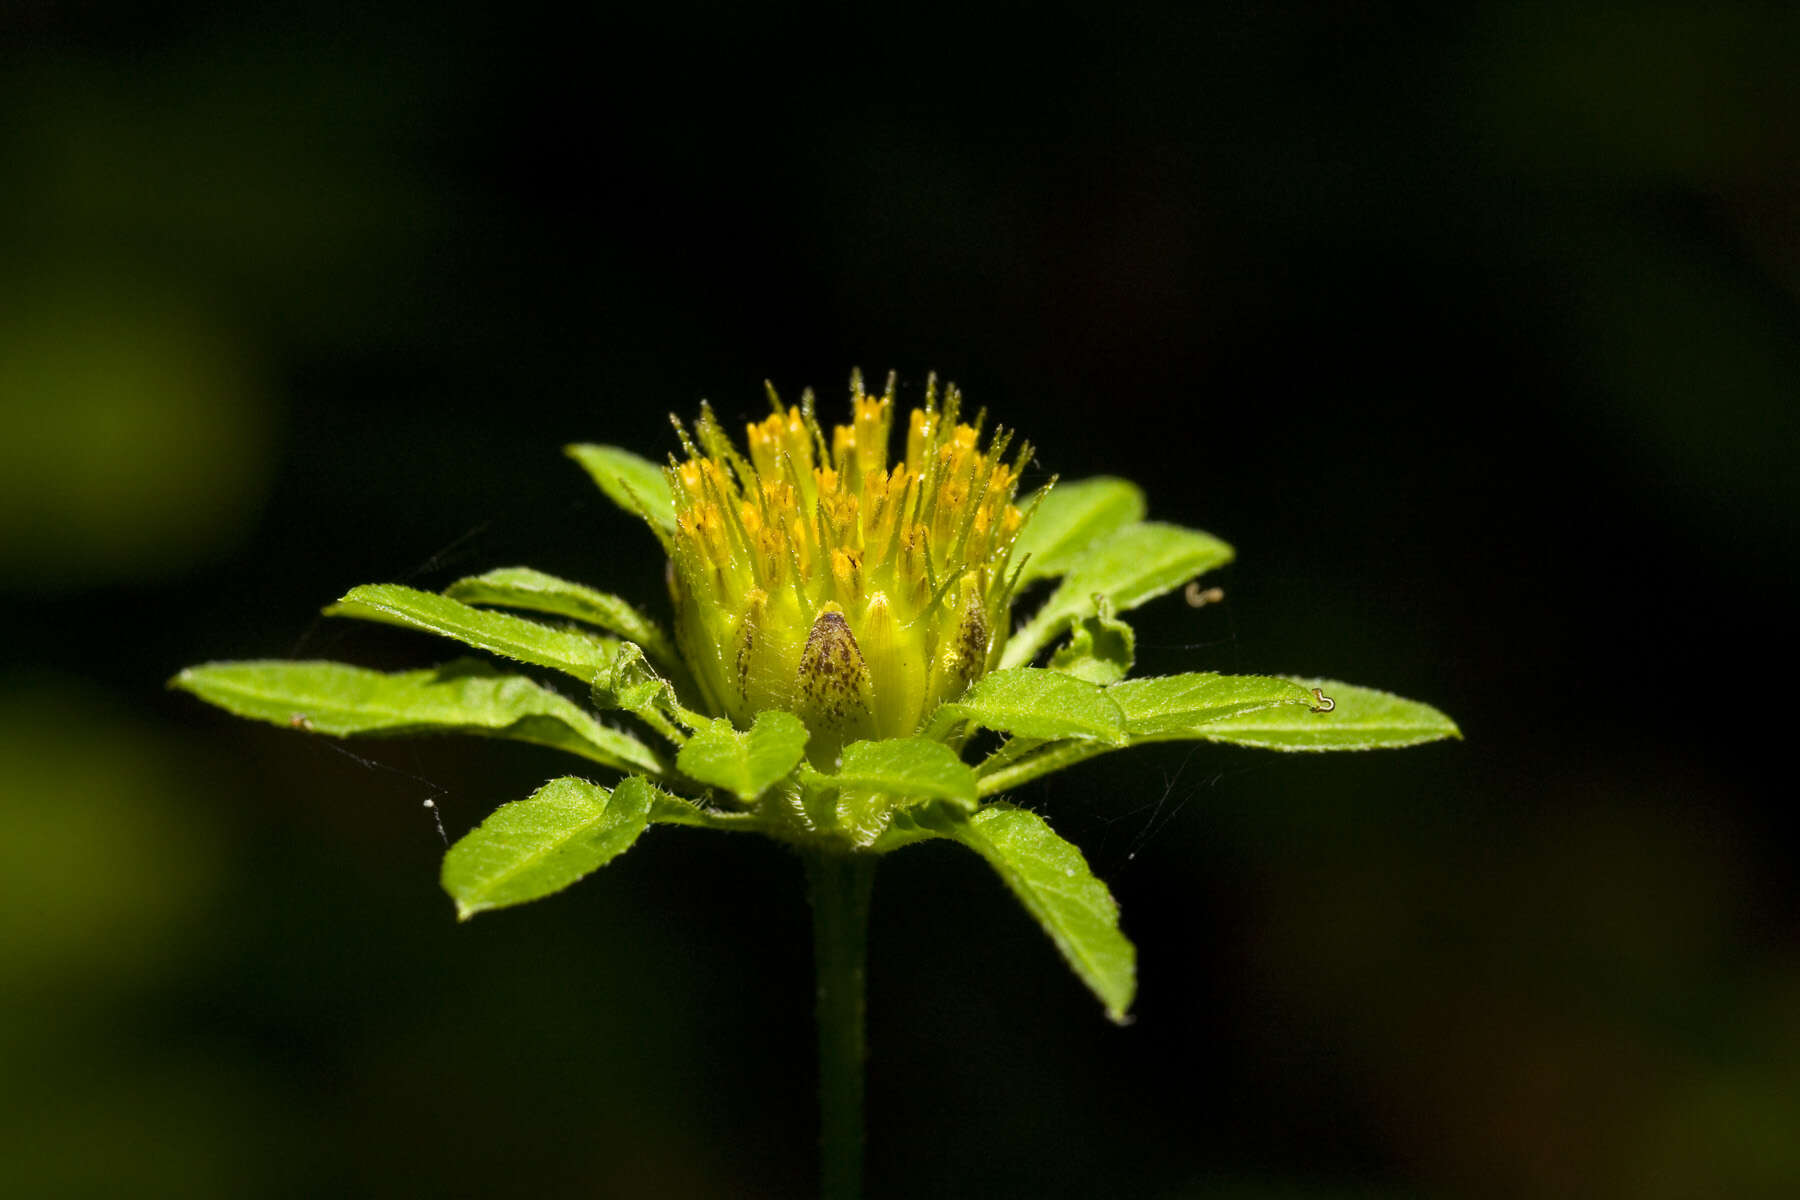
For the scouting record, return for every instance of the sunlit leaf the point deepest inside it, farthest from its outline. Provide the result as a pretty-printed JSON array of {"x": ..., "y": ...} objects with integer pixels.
[
  {"x": 1033, "y": 703},
  {"x": 534, "y": 591},
  {"x": 1071, "y": 518},
  {"x": 1359, "y": 718},
  {"x": 572, "y": 651},
  {"x": 910, "y": 768},
  {"x": 532, "y": 848},
  {"x": 1137, "y": 564},
  {"x": 635, "y": 484},
  {"x": 466, "y": 696},
  {"x": 1175, "y": 704},
  {"x": 1052, "y": 880},
  {"x": 745, "y": 763}
]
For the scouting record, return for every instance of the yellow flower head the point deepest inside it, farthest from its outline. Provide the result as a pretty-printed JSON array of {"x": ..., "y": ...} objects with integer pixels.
[{"x": 815, "y": 576}]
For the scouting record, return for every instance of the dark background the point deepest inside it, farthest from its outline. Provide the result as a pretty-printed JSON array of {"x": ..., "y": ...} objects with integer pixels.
[{"x": 1472, "y": 327}]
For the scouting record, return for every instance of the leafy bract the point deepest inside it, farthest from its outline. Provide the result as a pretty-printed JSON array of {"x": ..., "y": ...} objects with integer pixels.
[
  {"x": 532, "y": 848},
  {"x": 1033, "y": 703},
  {"x": 1052, "y": 880},
  {"x": 1358, "y": 718},
  {"x": 534, "y": 591},
  {"x": 669, "y": 809},
  {"x": 571, "y": 651},
  {"x": 1178, "y": 704},
  {"x": 635, "y": 484},
  {"x": 1139, "y": 563},
  {"x": 744, "y": 763},
  {"x": 909, "y": 768},
  {"x": 634, "y": 686},
  {"x": 466, "y": 696},
  {"x": 1101, "y": 648},
  {"x": 1070, "y": 518}
]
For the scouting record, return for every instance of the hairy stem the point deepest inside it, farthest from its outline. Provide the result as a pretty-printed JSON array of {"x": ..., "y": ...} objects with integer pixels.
[
  {"x": 1057, "y": 756},
  {"x": 839, "y": 887}
]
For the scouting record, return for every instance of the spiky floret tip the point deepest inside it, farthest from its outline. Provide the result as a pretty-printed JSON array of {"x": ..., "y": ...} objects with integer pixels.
[{"x": 898, "y": 569}]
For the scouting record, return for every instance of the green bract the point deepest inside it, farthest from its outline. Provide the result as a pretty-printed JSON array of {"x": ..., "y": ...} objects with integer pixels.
[{"x": 841, "y": 637}]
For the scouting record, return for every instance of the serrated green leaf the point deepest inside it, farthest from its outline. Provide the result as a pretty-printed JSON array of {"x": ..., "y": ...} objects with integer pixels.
[
  {"x": 1360, "y": 719},
  {"x": 574, "y": 652},
  {"x": 910, "y": 768},
  {"x": 1071, "y": 518},
  {"x": 1101, "y": 648},
  {"x": 1033, "y": 703},
  {"x": 532, "y": 848},
  {"x": 466, "y": 696},
  {"x": 1052, "y": 880},
  {"x": 745, "y": 763},
  {"x": 534, "y": 591},
  {"x": 1138, "y": 564},
  {"x": 635, "y": 484},
  {"x": 1177, "y": 704}
]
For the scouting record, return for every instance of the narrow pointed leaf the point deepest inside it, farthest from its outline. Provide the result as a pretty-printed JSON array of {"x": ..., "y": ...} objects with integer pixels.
[
  {"x": 1033, "y": 703},
  {"x": 1176, "y": 704},
  {"x": 635, "y": 484},
  {"x": 533, "y": 591},
  {"x": 1137, "y": 564},
  {"x": 574, "y": 652},
  {"x": 535, "y": 847},
  {"x": 1360, "y": 719},
  {"x": 1071, "y": 518},
  {"x": 745, "y": 763},
  {"x": 467, "y": 696},
  {"x": 1052, "y": 880},
  {"x": 914, "y": 768}
]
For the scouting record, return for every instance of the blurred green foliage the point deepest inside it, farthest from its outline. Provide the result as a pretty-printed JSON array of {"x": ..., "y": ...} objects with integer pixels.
[{"x": 136, "y": 443}]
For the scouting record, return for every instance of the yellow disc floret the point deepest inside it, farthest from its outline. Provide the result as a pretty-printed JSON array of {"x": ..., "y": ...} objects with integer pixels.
[{"x": 812, "y": 576}]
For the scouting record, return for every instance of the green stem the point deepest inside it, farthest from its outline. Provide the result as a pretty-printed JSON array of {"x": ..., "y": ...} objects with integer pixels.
[
  {"x": 839, "y": 887},
  {"x": 1010, "y": 751},
  {"x": 1058, "y": 756}
]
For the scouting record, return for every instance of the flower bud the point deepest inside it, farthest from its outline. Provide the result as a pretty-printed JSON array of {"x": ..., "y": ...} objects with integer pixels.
[{"x": 814, "y": 576}]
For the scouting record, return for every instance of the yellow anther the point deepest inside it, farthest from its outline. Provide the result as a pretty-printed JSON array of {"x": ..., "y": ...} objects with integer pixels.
[
  {"x": 919, "y": 431},
  {"x": 846, "y": 570},
  {"x": 765, "y": 447},
  {"x": 867, "y": 410},
  {"x": 797, "y": 440}
]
